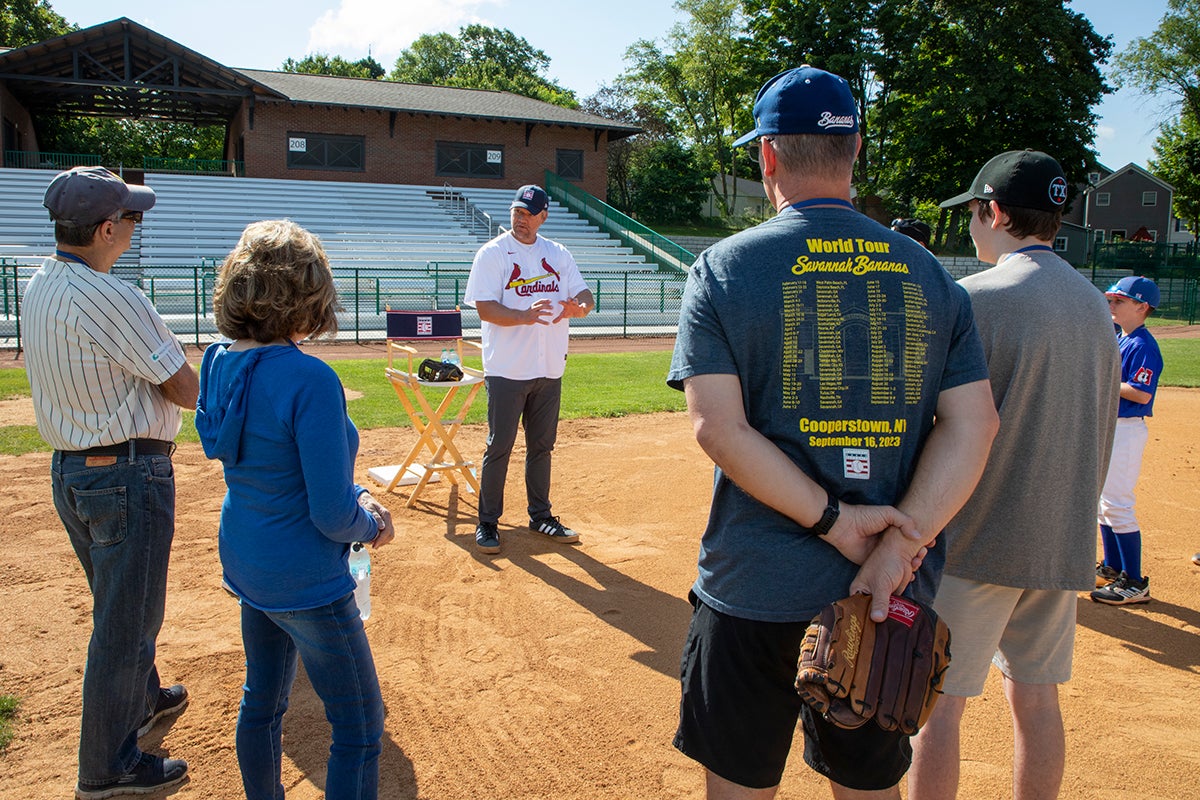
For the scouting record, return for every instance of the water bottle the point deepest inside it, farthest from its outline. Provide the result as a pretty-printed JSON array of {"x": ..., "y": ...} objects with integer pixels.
[
  {"x": 452, "y": 356},
  {"x": 445, "y": 356},
  {"x": 360, "y": 570}
]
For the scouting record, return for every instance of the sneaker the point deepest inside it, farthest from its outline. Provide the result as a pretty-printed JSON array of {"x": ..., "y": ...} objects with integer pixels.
[
  {"x": 1105, "y": 575},
  {"x": 487, "y": 537},
  {"x": 150, "y": 774},
  {"x": 550, "y": 526},
  {"x": 170, "y": 702},
  {"x": 1123, "y": 591}
]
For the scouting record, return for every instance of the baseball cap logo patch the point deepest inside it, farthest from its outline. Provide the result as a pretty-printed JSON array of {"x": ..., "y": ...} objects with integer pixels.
[
  {"x": 987, "y": 189},
  {"x": 830, "y": 120},
  {"x": 1058, "y": 191}
]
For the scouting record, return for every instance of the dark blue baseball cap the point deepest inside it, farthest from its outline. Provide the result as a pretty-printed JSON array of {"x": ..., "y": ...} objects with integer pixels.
[
  {"x": 532, "y": 198},
  {"x": 1138, "y": 288},
  {"x": 803, "y": 100}
]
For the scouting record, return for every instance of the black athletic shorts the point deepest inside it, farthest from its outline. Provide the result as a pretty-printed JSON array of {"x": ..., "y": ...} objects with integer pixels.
[{"x": 739, "y": 709}]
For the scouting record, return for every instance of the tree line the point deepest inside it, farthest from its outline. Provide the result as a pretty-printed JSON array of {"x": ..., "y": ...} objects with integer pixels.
[{"x": 941, "y": 86}]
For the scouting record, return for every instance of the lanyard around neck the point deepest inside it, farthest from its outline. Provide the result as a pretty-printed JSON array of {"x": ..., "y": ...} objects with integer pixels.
[
  {"x": 61, "y": 256},
  {"x": 1028, "y": 249},
  {"x": 823, "y": 201}
]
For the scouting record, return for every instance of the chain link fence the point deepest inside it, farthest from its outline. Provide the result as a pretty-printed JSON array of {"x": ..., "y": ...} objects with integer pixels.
[
  {"x": 631, "y": 303},
  {"x": 627, "y": 303}
]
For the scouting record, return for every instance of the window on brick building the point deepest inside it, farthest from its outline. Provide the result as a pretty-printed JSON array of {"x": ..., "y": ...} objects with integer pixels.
[
  {"x": 463, "y": 160},
  {"x": 326, "y": 151},
  {"x": 569, "y": 165}
]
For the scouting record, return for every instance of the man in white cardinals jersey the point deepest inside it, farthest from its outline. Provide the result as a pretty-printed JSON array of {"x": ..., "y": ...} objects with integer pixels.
[{"x": 526, "y": 288}]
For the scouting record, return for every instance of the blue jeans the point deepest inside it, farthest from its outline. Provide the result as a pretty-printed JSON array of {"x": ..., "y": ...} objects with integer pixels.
[
  {"x": 536, "y": 403},
  {"x": 121, "y": 520},
  {"x": 337, "y": 658}
]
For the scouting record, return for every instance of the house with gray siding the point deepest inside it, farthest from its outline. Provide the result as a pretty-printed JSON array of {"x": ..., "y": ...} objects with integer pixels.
[{"x": 1116, "y": 205}]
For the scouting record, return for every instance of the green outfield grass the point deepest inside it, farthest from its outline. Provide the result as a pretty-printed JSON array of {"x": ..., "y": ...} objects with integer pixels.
[
  {"x": 596, "y": 385},
  {"x": 1181, "y": 362},
  {"x": 13, "y": 383}
]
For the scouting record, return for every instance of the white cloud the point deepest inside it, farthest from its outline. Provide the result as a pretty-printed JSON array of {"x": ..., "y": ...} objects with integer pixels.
[
  {"x": 387, "y": 27},
  {"x": 1105, "y": 133}
]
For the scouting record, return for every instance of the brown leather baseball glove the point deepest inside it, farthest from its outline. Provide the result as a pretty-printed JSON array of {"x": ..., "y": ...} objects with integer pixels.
[{"x": 853, "y": 670}]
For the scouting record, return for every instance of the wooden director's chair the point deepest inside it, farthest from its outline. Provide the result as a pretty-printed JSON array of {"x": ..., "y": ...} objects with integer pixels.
[{"x": 434, "y": 452}]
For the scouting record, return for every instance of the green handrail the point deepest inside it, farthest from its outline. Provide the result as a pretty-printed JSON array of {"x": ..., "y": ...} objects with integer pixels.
[
  {"x": 656, "y": 247},
  {"x": 209, "y": 165}
]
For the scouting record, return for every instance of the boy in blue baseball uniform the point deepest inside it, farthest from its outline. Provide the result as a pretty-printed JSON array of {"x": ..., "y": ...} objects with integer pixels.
[{"x": 1119, "y": 576}]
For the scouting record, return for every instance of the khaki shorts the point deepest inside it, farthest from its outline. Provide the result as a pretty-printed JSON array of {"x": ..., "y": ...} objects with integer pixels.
[{"x": 1029, "y": 634}]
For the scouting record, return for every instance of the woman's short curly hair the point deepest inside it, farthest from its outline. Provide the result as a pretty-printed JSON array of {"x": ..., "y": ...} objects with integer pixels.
[{"x": 276, "y": 283}]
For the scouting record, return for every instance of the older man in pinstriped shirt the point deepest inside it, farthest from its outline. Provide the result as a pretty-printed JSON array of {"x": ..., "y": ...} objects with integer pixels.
[{"x": 108, "y": 381}]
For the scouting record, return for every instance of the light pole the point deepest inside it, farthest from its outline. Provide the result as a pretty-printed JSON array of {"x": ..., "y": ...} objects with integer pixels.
[{"x": 1087, "y": 228}]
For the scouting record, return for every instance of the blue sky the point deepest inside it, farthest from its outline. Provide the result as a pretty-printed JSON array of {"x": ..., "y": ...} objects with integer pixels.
[{"x": 585, "y": 39}]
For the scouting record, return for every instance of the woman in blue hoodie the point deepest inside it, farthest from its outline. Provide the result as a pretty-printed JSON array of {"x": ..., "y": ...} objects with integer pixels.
[{"x": 276, "y": 418}]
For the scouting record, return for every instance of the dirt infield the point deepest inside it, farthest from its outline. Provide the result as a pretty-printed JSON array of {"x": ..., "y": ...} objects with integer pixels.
[{"x": 550, "y": 671}]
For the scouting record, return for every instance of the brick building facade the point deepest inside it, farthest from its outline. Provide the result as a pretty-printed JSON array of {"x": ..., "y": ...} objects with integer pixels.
[
  {"x": 383, "y": 145},
  {"x": 309, "y": 127}
]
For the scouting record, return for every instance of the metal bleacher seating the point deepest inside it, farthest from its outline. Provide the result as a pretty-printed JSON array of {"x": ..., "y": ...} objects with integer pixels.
[
  {"x": 360, "y": 225},
  {"x": 198, "y": 220},
  {"x": 391, "y": 246},
  {"x": 26, "y": 232}
]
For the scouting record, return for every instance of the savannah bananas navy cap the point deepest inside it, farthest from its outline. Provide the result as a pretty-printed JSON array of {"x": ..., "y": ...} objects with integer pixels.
[
  {"x": 86, "y": 195},
  {"x": 1138, "y": 288},
  {"x": 1021, "y": 178},
  {"x": 532, "y": 198},
  {"x": 803, "y": 100}
]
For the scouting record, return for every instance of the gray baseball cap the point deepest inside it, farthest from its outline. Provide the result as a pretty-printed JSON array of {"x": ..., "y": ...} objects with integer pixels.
[{"x": 87, "y": 195}]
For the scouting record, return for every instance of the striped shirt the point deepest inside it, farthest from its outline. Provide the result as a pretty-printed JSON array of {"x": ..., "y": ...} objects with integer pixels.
[{"x": 95, "y": 353}]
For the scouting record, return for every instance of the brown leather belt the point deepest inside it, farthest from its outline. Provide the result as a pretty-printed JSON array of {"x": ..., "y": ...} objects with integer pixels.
[{"x": 131, "y": 448}]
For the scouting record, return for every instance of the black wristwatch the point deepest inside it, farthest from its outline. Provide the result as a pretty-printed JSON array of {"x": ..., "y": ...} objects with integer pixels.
[{"x": 829, "y": 517}]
